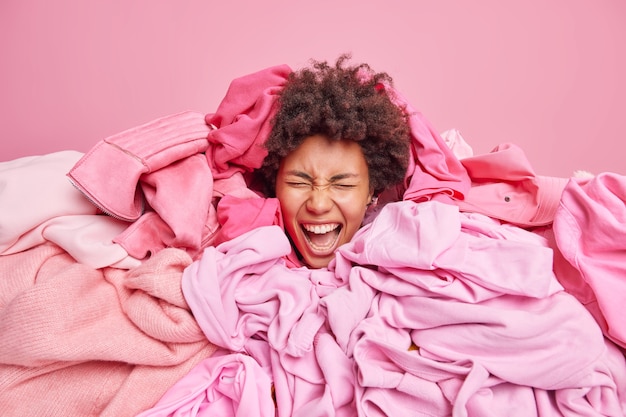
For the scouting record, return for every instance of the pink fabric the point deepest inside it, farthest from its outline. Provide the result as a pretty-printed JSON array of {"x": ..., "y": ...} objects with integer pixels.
[
  {"x": 457, "y": 144},
  {"x": 38, "y": 204},
  {"x": 243, "y": 122},
  {"x": 92, "y": 342},
  {"x": 109, "y": 173},
  {"x": 169, "y": 166},
  {"x": 238, "y": 216},
  {"x": 223, "y": 385},
  {"x": 505, "y": 187},
  {"x": 590, "y": 233},
  {"x": 158, "y": 174},
  {"x": 172, "y": 218},
  {"x": 159, "y": 170},
  {"x": 490, "y": 329},
  {"x": 434, "y": 171}
]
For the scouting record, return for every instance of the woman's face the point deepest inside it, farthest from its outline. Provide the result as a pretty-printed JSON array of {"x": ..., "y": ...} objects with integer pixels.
[{"x": 323, "y": 189}]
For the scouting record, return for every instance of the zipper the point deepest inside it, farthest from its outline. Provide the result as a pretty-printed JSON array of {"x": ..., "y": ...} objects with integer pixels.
[{"x": 101, "y": 207}]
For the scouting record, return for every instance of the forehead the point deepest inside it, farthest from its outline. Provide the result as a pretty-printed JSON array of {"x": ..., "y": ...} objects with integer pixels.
[{"x": 319, "y": 156}]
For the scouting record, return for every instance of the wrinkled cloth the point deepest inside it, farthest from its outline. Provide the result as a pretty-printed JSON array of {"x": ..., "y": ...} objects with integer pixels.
[
  {"x": 223, "y": 385},
  {"x": 171, "y": 173},
  {"x": 590, "y": 233},
  {"x": 79, "y": 341},
  {"x": 505, "y": 187},
  {"x": 166, "y": 172},
  {"x": 38, "y": 205},
  {"x": 425, "y": 309},
  {"x": 109, "y": 173},
  {"x": 457, "y": 143},
  {"x": 434, "y": 172},
  {"x": 155, "y": 169},
  {"x": 243, "y": 122}
]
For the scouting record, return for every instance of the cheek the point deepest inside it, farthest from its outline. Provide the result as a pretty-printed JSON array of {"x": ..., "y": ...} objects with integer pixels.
[
  {"x": 355, "y": 217},
  {"x": 354, "y": 212},
  {"x": 289, "y": 206}
]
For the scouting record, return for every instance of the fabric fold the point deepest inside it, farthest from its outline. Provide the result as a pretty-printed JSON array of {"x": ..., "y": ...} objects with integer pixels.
[
  {"x": 92, "y": 342},
  {"x": 109, "y": 173}
]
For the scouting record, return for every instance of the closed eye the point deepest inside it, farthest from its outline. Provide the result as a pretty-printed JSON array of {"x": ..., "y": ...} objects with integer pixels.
[
  {"x": 344, "y": 186},
  {"x": 297, "y": 184}
]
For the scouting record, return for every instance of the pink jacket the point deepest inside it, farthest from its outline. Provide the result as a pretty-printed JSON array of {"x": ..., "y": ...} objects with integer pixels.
[
  {"x": 505, "y": 187},
  {"x": 162, "y": 176}
]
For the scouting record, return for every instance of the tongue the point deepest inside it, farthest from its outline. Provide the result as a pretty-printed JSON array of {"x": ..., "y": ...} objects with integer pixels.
[{"x": 323, "y": 240}]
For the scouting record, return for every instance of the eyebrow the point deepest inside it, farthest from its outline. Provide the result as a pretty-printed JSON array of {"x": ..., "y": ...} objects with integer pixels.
[{"x": 306, "y": 176}]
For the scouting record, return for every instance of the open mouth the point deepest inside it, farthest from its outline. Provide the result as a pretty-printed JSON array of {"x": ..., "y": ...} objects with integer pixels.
[{"x": 321, "y": 238}]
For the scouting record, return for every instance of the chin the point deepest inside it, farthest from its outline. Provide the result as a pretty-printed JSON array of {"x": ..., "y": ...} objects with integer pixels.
[{"x": 317, "y": 262}]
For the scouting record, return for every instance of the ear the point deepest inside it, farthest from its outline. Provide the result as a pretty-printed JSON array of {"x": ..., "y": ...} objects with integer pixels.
[{"x": 372, "y": 200}]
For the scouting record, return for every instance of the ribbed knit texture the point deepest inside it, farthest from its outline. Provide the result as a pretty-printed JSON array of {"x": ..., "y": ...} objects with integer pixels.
[{"x": 92, "y": 342}]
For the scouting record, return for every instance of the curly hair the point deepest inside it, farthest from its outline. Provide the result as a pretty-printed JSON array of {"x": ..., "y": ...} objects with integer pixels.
[{"x": 342, "y": 103}]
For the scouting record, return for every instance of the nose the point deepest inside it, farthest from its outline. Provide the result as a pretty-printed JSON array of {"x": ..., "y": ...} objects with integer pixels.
[{"x": 319, "y": 200}]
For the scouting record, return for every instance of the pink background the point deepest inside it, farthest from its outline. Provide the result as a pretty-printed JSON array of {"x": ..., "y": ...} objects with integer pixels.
[{"x": 546, "y": 75}]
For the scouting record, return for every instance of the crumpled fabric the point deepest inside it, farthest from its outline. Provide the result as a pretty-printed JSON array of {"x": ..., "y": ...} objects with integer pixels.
[
  {"x": 426, "y": 307},
  {"x": 434, "y": 172},
  {"x": 166, "y": 177},
  {"x": 506, "y": 187},
  {"x": 110, "y": 172},
  {"x": 39, "y": 205},
  {"x": 80, "y": 341},
  {"x": 243, "y": 121},
  {"x": 222, "y": 385},
  {"x": 590, "y": 233}
]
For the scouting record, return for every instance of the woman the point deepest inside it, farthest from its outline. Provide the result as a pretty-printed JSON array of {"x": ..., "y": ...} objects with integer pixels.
[{"x": 337, "y": 140}]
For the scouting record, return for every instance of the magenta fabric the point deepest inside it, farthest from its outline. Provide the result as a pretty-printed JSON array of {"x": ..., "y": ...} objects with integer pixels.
[
  {"x": 238, "y": 216},
  {"x": 243, "y": 121},
  {"x": 505, "y": 187}
]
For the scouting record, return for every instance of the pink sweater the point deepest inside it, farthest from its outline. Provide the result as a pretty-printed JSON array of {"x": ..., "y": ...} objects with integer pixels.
[{"x": 79, "y": 341}]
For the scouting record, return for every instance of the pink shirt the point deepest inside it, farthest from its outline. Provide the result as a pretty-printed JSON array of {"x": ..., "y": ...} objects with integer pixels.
[{"x": 505, "y": 187}]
